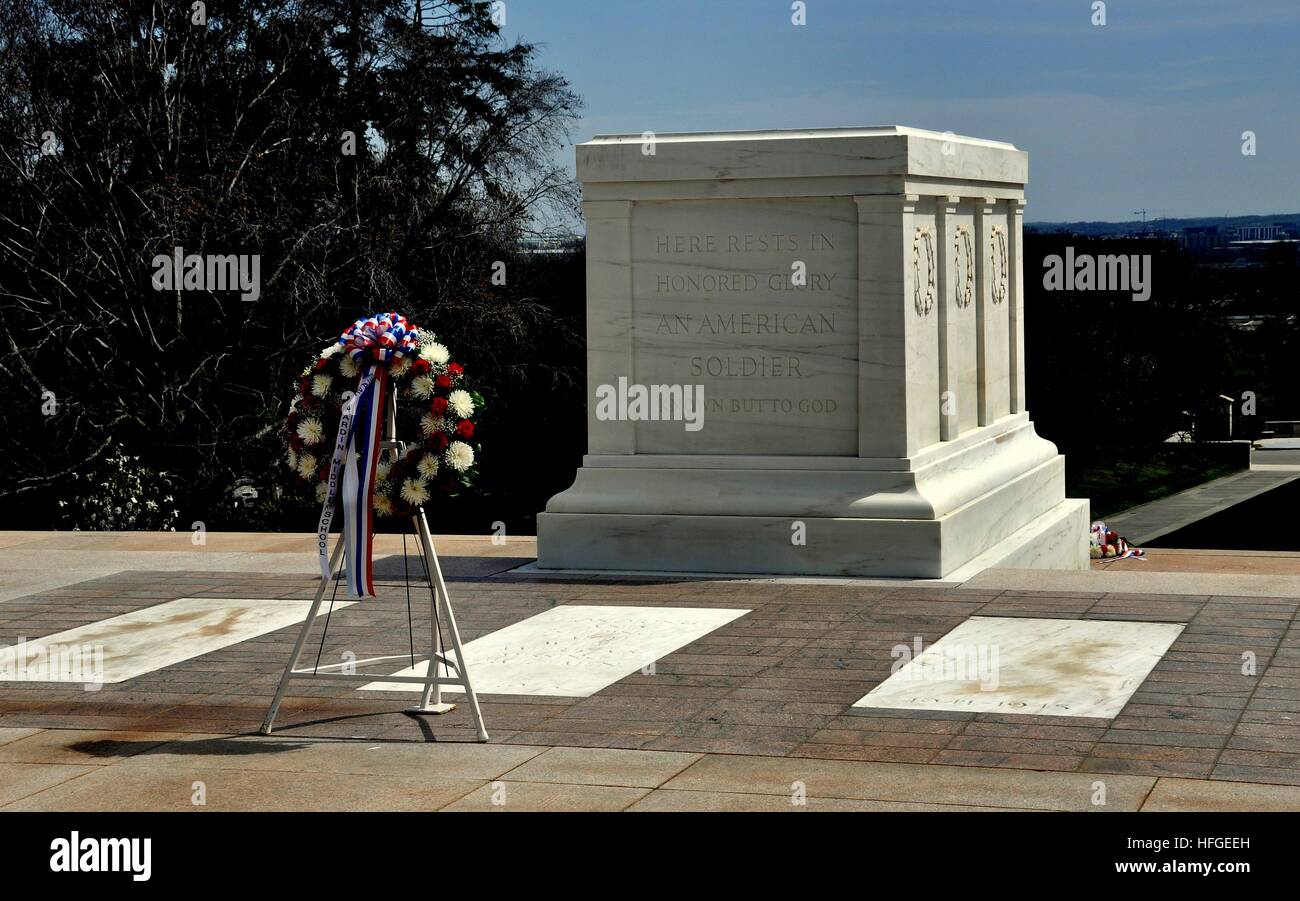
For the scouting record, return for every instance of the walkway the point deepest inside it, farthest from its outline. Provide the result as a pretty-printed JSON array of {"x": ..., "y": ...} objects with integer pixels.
[
  {"x": 76, "y": 770},
  {"x": 1269, "y": 469}
]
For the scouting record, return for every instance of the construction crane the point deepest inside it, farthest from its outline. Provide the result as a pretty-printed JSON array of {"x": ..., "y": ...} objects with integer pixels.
[{"x": 1143, "y": 213}]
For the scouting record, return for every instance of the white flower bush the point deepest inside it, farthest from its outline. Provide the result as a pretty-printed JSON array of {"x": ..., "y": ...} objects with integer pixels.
[{"x": 120, "y": 493}]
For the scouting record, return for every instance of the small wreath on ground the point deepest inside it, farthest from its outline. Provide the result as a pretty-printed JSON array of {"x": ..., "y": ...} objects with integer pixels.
[{"x": 436, "y": 410}]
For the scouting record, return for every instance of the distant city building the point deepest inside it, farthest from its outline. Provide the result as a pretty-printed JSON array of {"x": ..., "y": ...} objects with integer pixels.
[
  {"x": 1202, "y": 237},
  {"x": 1257, "y": 233}
]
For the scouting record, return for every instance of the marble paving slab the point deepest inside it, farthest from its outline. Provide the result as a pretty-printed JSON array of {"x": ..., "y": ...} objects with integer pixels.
[
  {"x": 575, "y": 650},
  {"x": 130, "y": 645},
  {"x": 993, "y": 664}
]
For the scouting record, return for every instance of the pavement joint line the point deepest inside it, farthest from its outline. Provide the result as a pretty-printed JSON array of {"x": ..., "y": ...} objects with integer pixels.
[
  {"x": 460, "y": 798},
  {"x": 699, "y": 756},
  {"x": 72, "y": 778},
  {"x": 704, "y": 791},
  {"x": 1150, "y": 791}
]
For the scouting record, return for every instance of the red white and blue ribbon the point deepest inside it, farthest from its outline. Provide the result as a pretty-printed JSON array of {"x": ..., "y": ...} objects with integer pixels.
[{"x": 374, "y": 344}]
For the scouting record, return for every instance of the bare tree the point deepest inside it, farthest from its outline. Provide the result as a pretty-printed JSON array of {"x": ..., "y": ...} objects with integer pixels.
[{"x": 374, "y": 154}]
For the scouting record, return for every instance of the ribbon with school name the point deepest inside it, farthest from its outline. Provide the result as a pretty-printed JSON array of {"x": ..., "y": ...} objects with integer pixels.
[{"x": 374, "y": 344}]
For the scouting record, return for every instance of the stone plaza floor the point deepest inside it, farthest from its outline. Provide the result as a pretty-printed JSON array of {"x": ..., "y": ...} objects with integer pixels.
[{"x": 1170, "y": 684}]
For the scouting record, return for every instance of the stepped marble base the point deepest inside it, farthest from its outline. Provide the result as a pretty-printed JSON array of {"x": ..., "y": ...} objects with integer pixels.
[
  {"x": 762, "y": 544},
  {"x": 997, "y": 497}
]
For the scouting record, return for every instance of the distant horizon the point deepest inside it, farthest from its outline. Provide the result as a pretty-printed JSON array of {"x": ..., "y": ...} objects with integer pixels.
[{"x": 1154, "y": 219}]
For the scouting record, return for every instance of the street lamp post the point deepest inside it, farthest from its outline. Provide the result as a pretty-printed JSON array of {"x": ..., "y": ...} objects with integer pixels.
[{"x": 1230, "y": 401}]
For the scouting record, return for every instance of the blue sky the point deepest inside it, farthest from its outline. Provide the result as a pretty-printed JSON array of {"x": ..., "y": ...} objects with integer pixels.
[{"x": 1146, "y": 111}]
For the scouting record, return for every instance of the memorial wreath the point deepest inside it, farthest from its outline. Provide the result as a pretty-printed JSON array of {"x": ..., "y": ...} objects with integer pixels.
[{"x": 335, "y": 429}]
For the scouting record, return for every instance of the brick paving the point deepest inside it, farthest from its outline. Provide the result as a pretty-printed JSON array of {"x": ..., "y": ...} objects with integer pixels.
[{"x": 776, "y": 683}]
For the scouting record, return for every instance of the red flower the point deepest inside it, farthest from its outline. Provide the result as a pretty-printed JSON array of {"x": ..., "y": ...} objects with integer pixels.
[
  {"x": 295, "y": 443},
  {"x": 323, "y": 474},
  {"x": 321, "y": 364},
  {"x": 420, "y": 367},
  {"x": 465, "y": 429},
  {"x": 439, "y": 406},
  {"x": 438, "y": 441},
  {"x": 442, "y": 381},
  {"x": 455, "y": 369}
]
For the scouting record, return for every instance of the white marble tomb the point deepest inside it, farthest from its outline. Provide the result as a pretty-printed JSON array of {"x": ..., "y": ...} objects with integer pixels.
[
  {"x": 142, "y": 641},
  {"x": 574, "y": 650},
  {"x": 1051, "y": 667},
  {"x": 847, "y": 307}
]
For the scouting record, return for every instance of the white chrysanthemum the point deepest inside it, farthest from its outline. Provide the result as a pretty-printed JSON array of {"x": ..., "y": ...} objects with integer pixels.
[
  {"x": 322, "y": 490},
  {"x": 435, "y": 353},
  {"x": 382, "y": 470},
  {"x": 430, "y": 424},
  {"x": 349, "y": 368},
  {"x": 311, "y": 431},
  {"x": 293, "y": 460},
  {"x": 422, "y": 387},
  {"x": 428, "y": 466},
  {"x": 414, "y": 492},
  {"x": 398, "y": 369},
  {"x": 320, "y": 384},
  {"x": 331, "y": 350},
  {"x": 459, "y": 456},
  {"x": 383, "y": 504},
  {"x": 307, "y": 465},
  {"x": 461, "y": 403}
]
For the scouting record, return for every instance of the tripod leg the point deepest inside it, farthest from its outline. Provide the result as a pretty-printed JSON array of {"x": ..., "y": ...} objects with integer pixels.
[
  {"x": 435, "y": 571},
  {"x": 431, "y": 697},
  {"x": 302, "y": 640}
]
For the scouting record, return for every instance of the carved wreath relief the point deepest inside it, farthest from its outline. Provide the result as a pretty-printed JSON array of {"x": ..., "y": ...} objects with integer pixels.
[
  {"x": 998, "y": 252},
  {"x": 964, "y": 264},
  {"x": 923, "y": 270}
]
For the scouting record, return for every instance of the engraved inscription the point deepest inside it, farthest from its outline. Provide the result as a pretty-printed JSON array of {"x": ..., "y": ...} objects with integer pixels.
[{"x": 757, "y": 301}]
